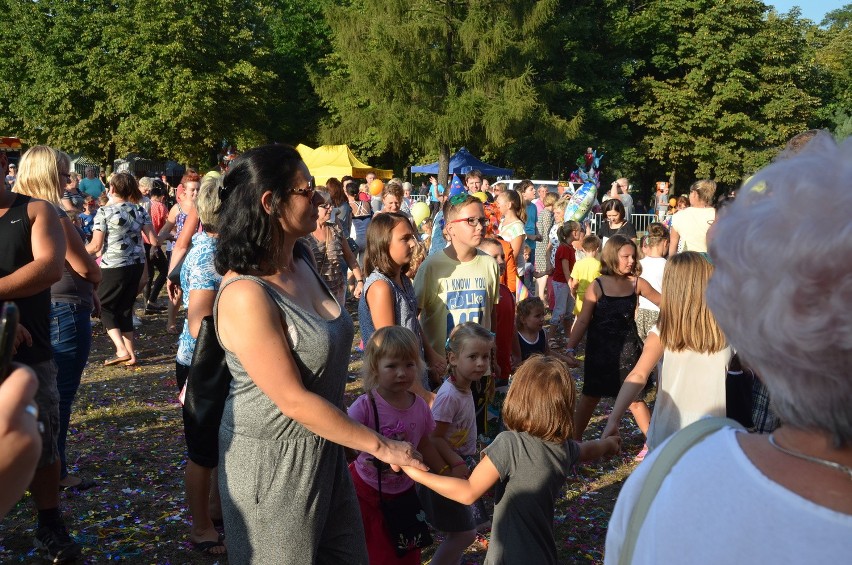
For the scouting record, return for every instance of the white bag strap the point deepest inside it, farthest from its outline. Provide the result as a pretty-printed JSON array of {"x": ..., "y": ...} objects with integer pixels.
[{"x": 677, "y": 446}]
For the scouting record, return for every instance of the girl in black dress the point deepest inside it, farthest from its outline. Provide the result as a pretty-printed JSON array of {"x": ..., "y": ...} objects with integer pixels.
[{"x": 613, "y": 345}]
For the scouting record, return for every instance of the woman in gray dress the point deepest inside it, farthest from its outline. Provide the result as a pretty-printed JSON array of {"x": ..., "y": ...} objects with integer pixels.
[{"x": 287, "y": 496}]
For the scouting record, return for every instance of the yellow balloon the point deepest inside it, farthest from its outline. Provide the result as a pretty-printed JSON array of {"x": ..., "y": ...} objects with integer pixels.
[
  {"x": 419, "y": 211},
  {"x": 376, "y": 187},
  {"x": 482, "y": 196}
]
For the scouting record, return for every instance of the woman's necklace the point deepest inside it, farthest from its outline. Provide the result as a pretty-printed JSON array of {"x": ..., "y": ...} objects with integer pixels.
[{"x": 824, "y": 462}]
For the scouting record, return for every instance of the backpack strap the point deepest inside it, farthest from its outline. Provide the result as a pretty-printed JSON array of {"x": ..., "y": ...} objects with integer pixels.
[{"x": 669, "y": 455}]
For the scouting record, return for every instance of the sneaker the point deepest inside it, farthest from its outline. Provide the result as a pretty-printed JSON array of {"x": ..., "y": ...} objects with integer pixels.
[
  {"x": 136, "y": 321},
  {"x": 60, "y": 547}
]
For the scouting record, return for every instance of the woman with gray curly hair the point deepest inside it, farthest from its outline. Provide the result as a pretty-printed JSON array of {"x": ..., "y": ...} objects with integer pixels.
[{"x": 782, "y": 293}]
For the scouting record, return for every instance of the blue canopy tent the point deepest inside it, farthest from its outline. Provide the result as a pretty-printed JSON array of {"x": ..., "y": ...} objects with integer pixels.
[{"x": 462, "y": 163}]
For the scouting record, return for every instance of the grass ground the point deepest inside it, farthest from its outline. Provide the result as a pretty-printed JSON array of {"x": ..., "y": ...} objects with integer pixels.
[{"x": 126, "y": 433}]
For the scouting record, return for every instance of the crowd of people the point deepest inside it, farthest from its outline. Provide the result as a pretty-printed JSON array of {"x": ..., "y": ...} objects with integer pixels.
[{"x": 700, "y": 304}]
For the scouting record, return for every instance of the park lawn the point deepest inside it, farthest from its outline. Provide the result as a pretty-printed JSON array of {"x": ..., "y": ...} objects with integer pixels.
[{"x": 126, "y": 433}]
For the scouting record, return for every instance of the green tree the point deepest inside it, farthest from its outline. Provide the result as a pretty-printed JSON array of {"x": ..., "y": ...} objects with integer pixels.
[
  {"x": 168, "y": 78},
  {"x": 436, "y": 74},
  {"x": 718, "y": 86},
  {"x": 834, "y": 57}
]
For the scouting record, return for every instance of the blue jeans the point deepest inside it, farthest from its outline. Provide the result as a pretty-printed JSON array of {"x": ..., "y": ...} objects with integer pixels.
[{"x": 71, "y": 340}]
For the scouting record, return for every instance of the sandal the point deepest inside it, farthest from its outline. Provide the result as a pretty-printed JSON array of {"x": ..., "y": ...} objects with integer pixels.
[
  {"x": 84, "y": 484},
  {"x": 206, "y": 547}
]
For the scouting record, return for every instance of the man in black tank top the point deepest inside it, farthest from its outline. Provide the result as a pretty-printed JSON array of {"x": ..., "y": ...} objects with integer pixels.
[{"x": 32, "y": 257}]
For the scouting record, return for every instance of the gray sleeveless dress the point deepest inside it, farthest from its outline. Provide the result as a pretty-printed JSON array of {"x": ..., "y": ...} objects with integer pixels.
[{"x": 287, "y": 496}]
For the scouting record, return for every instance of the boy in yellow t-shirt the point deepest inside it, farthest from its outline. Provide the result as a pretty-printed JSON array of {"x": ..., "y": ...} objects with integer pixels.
[{"x": 585, "y": 271}]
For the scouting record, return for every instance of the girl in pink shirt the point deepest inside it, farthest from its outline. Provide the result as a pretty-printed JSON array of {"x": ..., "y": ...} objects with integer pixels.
[{"x": 392, "y": 362}]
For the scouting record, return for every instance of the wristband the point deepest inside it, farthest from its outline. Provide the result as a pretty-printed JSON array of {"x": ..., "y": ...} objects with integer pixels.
[
  {"x": 359, "y": 281},
  {"x": 444, "y": 469},
  {"x": 570, "y": 350}
]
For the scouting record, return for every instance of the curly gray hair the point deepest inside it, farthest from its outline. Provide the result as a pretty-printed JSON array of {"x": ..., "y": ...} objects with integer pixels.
[{"x": 782, "y": 287}]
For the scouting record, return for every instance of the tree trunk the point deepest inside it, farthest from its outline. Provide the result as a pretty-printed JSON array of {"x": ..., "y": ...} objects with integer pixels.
[
  {"x": 111, "y": 154},
  {"x": 444, "y": 166},
  {"x": 672, "y": 183}
]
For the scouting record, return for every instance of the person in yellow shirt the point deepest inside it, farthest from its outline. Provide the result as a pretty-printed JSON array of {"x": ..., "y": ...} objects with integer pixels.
[{"x": 585, "y": 271}]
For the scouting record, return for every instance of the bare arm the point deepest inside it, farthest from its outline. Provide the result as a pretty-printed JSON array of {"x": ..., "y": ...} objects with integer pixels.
[
  {"x": 634, "y": 383},
  {"x": 590, "y": 301},
  {"x": 200, "y": 305},
  {"x": 153, "y": 237},
  {"x": 595, "y": 449},
  {"x": 517, "y": 246},
  {"x": 76, "y": 256},
  {"x": 645, "y": 289},
  {"x": 260, "y": 344},
  {"x": 439, "y": 439},
  {"x": 96, "y": 244},
  {"x": 352, "y": 263},
  {"x": 463, "y": 491},
  {"x": 20, "y": 441},
  {"x": 674, "y": 238},
  {"x": 48, "y": 245}
]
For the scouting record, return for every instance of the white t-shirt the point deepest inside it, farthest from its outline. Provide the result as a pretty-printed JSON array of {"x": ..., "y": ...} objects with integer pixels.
[
  {"x": 691, "y": 386},
  {"x": 716, "y": 507},
  {"x": 692, "y": 225},
  {"x": 652, "y": 271}
]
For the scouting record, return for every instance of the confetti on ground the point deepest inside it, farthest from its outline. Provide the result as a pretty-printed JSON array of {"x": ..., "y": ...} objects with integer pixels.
[{"x": 126, "y": 434}]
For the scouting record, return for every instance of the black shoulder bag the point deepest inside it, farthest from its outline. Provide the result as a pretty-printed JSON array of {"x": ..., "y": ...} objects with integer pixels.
[
  {"x": 207, "y": 387},
  {"x": 405, "y": 519}
]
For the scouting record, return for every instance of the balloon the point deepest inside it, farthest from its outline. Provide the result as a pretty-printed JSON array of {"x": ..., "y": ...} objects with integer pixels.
[
  {"x": 456, "y": 186},
  {"x": 376, "y": 187},
  {"x": 580, "y": 201},
  {"x": 482, "y": 196},
  {"x": 419, "y": 211}
]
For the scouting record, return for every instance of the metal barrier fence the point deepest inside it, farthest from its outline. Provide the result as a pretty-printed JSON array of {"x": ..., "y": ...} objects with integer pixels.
[{"x": 639, "y": 221}]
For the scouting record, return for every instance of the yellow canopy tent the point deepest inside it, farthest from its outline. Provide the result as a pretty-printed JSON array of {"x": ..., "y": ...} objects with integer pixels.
[{"x": 337, "y": 161}]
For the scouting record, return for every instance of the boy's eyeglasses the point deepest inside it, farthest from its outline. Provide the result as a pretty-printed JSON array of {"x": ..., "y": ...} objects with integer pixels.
[{"x": 473, "y": 221}]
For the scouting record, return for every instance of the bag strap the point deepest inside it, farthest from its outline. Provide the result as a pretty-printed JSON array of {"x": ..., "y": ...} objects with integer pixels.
[
  {"x": 376, "y": 425},
  {"x": 669, "y": 455}
]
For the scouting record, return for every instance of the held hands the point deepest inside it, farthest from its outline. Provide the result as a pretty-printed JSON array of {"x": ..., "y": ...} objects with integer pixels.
[
  {"x": 611, "y": 430},
  {"x": 571, "y": 361},
  {"x": 400, "y": 454},
  {"x": 613, "y": 444}
]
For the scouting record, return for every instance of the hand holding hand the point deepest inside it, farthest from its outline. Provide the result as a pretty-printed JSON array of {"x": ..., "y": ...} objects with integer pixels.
[
  {"x": 610, "y": 430},
  {"x": 400, "y": 454},
  {"x": 613, "y": 444},
  {"x": 571, "y": 361}
]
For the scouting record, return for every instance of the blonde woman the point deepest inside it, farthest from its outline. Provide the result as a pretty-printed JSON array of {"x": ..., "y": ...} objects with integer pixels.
[
  {"x": 44, "y": 171},
  {"x": 694, "y": 351}
]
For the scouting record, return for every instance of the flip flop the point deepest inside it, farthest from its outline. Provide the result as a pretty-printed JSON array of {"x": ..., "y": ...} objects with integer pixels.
[
  {"x": 84, "y": 484},
  {"x": 116, "y": 360},
  {"x": 206, "y": 547},
  {"x": 131, "y": 363}
]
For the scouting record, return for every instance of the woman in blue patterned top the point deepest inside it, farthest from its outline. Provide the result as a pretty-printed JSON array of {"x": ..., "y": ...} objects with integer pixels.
[
  {"x": 116, "y": 233},
  {"x": 200, "y": 282}
]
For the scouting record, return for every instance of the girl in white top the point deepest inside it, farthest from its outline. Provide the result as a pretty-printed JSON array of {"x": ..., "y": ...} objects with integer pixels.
[
  {"x": 694, "y": 350},
  {"x": 513, "y": 216},
  {"x": 654, "y": 247}
]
